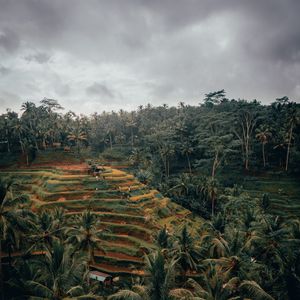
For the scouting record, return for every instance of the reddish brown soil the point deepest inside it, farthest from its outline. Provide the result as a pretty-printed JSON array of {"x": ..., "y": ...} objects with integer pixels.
[{"x": 65, "y": 165}]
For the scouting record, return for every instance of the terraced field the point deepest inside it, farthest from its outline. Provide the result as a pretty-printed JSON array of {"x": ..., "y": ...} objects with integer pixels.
[
  {"x": 130, "y": 212},
  {"x": 284, "y": 193}
]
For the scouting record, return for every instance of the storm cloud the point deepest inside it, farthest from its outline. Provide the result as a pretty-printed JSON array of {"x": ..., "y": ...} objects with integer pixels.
[{"x": 100, "y": 55}]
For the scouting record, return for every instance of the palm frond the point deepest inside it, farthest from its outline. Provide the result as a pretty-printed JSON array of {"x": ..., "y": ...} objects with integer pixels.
[
  {"x": 125, "y": 295},
  {"x": 253, "y": 289}
]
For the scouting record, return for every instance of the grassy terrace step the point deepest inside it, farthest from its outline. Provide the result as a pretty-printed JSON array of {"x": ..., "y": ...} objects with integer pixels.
[
  {"x": 120, "y": 249},
  {"x": 128, "y": 229},
  {"x": 74, "y": 195},
  {"x": 103, "y": 206},
  {"x": 115, "y": 270},
  {"x": 131, "y": 183},
  {"x": 119, "y": 260},
  {"x": 128, "y": 240},
  {"x": 118, "y": 180},
  {"x": 142, "y": 197},
  {"x": 120, "y": 256},
  {"x": 120, "y": 218}
]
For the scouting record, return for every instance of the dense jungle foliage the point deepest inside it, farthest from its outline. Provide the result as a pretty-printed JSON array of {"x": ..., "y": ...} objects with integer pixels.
[{"x": 229, "y": 161}]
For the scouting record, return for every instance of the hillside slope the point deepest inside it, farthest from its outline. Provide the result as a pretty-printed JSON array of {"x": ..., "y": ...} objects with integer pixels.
[{"x": 131, "y": 214}]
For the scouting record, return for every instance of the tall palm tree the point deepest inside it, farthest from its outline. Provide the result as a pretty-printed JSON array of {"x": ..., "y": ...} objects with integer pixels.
[
  {"x": 77, "y": 135},
  {"x": 186, "y": 252},
  {"x": 263, "y": 134},
  {"x": 49, "y": 226},
  {"x": 159, "y": 281},
  {"x": 212, "y": 189},
  {"x": 292, "y": 122},
  {"x": 214, "y": 285},
  {"x": 161, "y": 275},
  {"x": 84, "y": 233},
  {"x": 14, "y": 218},
  {"x": 59, "y": 274}
]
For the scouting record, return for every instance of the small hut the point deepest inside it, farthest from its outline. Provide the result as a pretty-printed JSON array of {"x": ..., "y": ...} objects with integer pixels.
[{"x": 104, "y": 278}]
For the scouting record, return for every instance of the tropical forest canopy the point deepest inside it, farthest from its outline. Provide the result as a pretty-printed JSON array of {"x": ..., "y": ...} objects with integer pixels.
[{"x": 233, "y": 163}]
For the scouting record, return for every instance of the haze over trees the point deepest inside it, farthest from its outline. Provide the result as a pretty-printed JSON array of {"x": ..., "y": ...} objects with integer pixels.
[{"x": 200, "y": 157}]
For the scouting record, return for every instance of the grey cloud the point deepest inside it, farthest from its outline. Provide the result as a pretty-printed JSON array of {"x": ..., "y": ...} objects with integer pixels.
[
  {"x": 164, "y": 51},
  {"x": 100, "y": 89},
  {"x": 39, "y": 57},
  {"x": 63, "y": 89},
  {"x": 9, "y": 40},
  {"x": 4, "y": 70}
]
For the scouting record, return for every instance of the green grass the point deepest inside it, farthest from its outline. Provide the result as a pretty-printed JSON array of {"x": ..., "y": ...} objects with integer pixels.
[{"x": 284, "y": 193}]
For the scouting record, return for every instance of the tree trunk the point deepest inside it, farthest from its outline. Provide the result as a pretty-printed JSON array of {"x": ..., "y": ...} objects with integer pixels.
[
  {"x": 165, "y": 165},
  {"x": 36, "y": 145},
  {"x": 44, "y": 143},
  {"x": 132, "y": 138},
  {"x": 263, "y": 153},
  {"x": 110, "y": 141},
  {"x": 8, "y": 145},
  {"x": 288, "y": 148},
  {"x": 247, "y": 164},
  {"x": 27, "y": 159},
  {"x": 189, "y": 163},
  {"x": 213, "y": 203},
  {"x": 1, "y": 275},
  {"x": 21, "y": 143},
  {"x": 215, "y": 164}
]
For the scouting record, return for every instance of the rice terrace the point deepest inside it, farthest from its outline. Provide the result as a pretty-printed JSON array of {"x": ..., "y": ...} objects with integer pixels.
[
  {"x": 129, "y": 223},
  {"x": 149, "y": 150}
]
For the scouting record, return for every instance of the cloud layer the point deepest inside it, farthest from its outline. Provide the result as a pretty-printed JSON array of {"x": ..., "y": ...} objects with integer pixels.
[{"x": 100, "y": 55}]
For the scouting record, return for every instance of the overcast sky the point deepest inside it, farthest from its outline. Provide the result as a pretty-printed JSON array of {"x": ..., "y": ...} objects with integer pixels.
[{"x": 94, "y": 55}]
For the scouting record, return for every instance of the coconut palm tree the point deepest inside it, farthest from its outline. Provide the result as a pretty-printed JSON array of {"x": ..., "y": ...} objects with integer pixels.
[
  {"x": 84, "y": 234},
  {"x": 213, "y": 237},
  {"x": 159, "y": 280},
  {"x": 213, "y": 285},
  {"x": 77, "y": 135},
  {"x": 59, "y": 274},
  {"x": 15, "y": 219},
  {"x": 263, "y": 134},
  {"x": 186, "y": 252},
  {"x": 49, "y": 226},
  {"x": 163, "y": 238}
]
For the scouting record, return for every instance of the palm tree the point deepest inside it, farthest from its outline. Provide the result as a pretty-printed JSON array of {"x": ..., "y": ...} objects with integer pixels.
[
  {"x": 213, "y": 237},
  {"x": 137, "y": 292},
  {"x": 263, "y": 135},
  {"x": 212, "y": 189},
  {"x": 214, "y": 285},
  {"x": 160, "y": 279},
  {"x": 187, "y": 150},
  {"x": 14, "y": 218},
  {"x": 19, "y": 129},
  {"x": 85, "y": 233},
  {"x": 292, "y": 121},
  {"x": 59, "y": 274},
  {"x": 77, "y": 135},
  {"x": 163, "y": 238},
  {"x": 186, "y": 252},
  {"x": 49, "y": 226}
]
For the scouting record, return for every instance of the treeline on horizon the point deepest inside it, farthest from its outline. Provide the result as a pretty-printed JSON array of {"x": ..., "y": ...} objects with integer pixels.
[
  {"x": 196, "y": 155},
  {"x": 216, "y": 134}
]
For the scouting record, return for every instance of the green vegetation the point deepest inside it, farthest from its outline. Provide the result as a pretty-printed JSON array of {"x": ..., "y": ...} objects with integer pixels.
[{"x": 193, "y": 202}]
